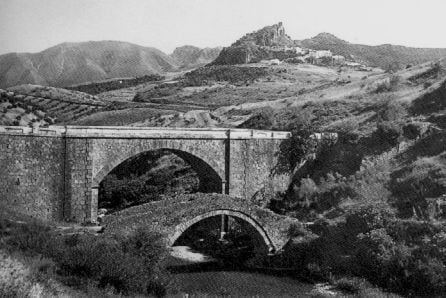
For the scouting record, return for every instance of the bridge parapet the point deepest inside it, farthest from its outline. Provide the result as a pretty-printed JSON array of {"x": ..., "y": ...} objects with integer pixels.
[{"x": 123, "y": 132}]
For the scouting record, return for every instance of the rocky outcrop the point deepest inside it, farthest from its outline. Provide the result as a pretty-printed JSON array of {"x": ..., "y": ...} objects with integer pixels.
[
  {"x": 188, "y": 57},
  {"x": 270, "y": 42},
  {"x": 268, "y": 36}
]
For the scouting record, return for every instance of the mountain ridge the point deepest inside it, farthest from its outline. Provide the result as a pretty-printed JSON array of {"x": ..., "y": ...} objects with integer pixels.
[
  {"x": 385, "y": 56},
  {"x": 71, "y": 63},
  {"x": 271, "y": 42}
]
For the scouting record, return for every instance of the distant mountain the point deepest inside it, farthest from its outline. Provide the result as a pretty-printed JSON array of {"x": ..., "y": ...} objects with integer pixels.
[
  {"x": 188, "y": 57},
  {"x": 271, "y": 42},
  {"x": 256, "y": 46},
  {"x": 383, "y": 56},
  {"x": 72, "y": 63}
]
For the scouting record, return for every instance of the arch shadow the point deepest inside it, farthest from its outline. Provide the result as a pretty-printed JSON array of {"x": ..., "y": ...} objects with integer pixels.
[
  {"x": 183, "y": 227},
  {"x": 209, "y": 179}
]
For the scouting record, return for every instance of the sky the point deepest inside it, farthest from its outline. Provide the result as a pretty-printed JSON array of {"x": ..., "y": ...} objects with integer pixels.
[{"x": 34, "y": 25}]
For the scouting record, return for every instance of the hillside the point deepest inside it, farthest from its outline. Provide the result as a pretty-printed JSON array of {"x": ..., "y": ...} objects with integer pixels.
[
  {"x": 188, "y": 57},
  {"x": 271, "y": 42},
  {"x": 73, "y": 63},
  {"x": 384, "y": 56},
  {"x": 34, "y": 105}
]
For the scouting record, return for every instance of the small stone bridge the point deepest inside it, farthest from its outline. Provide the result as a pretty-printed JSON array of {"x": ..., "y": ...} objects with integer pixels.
[
  {"x": 54, "y": 173},
  {"x": 173, "y": 216}
]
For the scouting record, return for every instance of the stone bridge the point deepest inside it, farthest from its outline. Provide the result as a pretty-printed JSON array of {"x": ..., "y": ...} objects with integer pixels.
[
  {"x": 174, "y": 216},
  {"x": 54, "y": 173}
]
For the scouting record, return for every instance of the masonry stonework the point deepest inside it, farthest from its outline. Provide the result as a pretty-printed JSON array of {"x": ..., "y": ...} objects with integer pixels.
[
  {"x": 173, "y": 216},
  {"x": 31, "y": 175},
  {"x": 55, "y": 173}
]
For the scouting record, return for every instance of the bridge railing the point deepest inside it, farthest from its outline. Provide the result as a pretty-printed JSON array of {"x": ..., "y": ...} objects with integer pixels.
[{"x": 144, "y": 132}]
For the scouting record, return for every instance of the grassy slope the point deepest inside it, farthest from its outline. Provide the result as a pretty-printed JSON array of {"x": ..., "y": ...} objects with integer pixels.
[{"x": 292, "y": 86}]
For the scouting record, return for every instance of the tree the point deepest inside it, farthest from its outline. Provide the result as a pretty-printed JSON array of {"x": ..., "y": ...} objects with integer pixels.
[{"x": 301, "y": 143}]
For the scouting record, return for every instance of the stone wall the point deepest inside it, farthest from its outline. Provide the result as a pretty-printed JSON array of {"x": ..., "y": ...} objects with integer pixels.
[
  {"x": 252, "y": 164},
  {"x": 32, "y": 175}
]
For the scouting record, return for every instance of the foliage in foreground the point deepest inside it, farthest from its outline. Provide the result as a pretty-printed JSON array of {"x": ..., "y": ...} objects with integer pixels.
[
  {"x": 407, "y": 257},
  {"x": 129, "y": 264}
]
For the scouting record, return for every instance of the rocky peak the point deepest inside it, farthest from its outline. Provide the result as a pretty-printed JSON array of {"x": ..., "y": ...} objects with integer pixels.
[{"x": 273, "y": 35}]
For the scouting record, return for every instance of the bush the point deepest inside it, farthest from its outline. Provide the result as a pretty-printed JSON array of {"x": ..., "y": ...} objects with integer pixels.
[
  {"x": 309, "y": 200},
  {"x": 413, "y": 130},
  {"x": 398, "y": 267},
  {"x": 425, "y": 178},
  {"x": 130, "y": 264},
  {"x": 391, "y": 110},
  {"x": 388, "y": 132},
  {"x": 127, "y": 264},
  {"x": 33, "y": 237},
  {"x": 388, "y": 85}
]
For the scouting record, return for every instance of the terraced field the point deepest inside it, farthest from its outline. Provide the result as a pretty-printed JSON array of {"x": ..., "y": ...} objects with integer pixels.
[{"x": 33, "y": 105}]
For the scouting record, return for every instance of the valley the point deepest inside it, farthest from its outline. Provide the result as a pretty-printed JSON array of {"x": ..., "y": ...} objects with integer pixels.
[{"x": 366, "y": 156}]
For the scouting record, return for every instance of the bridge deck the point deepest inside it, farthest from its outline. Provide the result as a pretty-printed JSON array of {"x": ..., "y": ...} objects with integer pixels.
[{"x": 123, "y": 132}]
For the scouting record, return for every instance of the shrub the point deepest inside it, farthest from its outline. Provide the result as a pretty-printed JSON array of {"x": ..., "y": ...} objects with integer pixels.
[
  {"x": 398, "y": 267},
  {"x": 413, "y": 130},
  {"x": 388, "y": 85},
  {"x": 425, "y": 178},
  {"x": 388, "y": 132},
  {"x": 130, "y": 264},
  {"x": 33, "y": 237},
  {"x": 391, "y": 110}
]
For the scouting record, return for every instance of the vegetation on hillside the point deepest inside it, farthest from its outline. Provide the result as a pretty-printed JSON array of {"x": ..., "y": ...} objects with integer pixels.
[
  {"x": 130, "y": 264},
  {"x": 231, "y": 74},
  {"x": 375, "y": 196},
  {"x": 95, "y": 88},
  {"x": 32, "y": 105}
]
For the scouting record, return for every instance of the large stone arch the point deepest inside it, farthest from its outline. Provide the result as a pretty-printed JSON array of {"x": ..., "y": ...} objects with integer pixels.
[
  {"x": 183, "y": 227},
  {"x": 201, "y": 160}
]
